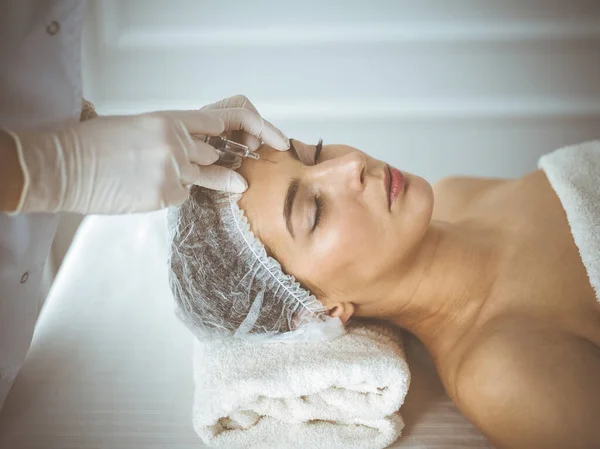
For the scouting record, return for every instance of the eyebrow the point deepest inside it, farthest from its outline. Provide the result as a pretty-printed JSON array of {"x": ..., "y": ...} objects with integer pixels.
[{"x": 288, "y": 205}]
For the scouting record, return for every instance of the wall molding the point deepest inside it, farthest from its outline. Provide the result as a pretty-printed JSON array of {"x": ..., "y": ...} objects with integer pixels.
[
  {"x": 361, "y": 33},
  {"x": 455, "y": 109},
  {"x": 115, "y": 33}
]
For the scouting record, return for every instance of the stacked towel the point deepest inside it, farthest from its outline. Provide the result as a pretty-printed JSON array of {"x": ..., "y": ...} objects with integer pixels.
[
  {"x": 574, "y": 173},
  {"x": 339, "y": 394}
]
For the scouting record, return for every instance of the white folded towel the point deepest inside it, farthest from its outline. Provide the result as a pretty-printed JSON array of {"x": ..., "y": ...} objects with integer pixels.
[
  {"x": 574, "y": 173},
  {"x": 339, "y": 394}
]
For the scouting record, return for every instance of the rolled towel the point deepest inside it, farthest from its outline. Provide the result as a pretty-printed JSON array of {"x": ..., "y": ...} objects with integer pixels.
[
  {"x": 574, "y": 173},
  {"x": 344, "y": 393}
]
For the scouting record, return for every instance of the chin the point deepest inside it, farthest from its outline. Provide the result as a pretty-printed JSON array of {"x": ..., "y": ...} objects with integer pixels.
[
  {"x": 417, "y": 209},
  {"x": 418, "y": 195}
]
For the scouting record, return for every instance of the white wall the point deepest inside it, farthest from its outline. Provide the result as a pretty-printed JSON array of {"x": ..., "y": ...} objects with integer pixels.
[{"x": 436, "y": 87}]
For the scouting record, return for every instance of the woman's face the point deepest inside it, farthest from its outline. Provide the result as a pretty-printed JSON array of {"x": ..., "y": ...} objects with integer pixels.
[{"x": 340, "y": 221}]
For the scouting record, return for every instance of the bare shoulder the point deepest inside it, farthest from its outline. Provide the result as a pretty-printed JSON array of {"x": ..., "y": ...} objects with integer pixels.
[
  {"x": 532, "y": 389},
  {"x": 454, "y": 193}
]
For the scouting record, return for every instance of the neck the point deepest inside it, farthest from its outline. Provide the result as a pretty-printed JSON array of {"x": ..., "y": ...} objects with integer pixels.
[{"x": 444, "y": 286}]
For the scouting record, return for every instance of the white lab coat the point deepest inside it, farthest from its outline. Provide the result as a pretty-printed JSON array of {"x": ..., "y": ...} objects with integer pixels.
[{"x": 40, "y": 88}]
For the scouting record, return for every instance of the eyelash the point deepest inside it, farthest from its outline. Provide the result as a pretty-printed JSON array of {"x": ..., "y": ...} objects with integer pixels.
[
  {"x": 318, "y": 213},
  {"x": 318, "y": 199}
]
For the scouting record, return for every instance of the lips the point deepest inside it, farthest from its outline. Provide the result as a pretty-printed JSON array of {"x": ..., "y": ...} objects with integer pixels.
[{"x": 394, "y": 181}]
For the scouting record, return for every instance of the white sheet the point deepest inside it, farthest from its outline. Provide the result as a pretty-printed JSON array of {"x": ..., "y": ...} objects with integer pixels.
[{"x": 111, "y": 367}]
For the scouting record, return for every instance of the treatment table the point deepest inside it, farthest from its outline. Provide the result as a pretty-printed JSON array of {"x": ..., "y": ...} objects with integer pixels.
[{"x": 110, "y": 366}]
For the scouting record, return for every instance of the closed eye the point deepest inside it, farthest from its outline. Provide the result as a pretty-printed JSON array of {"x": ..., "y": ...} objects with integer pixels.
[
  {"x": 318, "y": 199},
  {"x": 318, "y": 211}
]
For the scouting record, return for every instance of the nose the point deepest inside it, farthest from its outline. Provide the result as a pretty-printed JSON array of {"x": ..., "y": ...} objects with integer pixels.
[{"x": 347, "y": 172}]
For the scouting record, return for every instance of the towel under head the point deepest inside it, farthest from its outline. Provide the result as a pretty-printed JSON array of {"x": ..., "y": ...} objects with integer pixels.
[{"x": 339, "y": 394}]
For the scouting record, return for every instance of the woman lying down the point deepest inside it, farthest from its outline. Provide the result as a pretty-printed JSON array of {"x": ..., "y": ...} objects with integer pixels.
[{"x": 485, "y": 272}]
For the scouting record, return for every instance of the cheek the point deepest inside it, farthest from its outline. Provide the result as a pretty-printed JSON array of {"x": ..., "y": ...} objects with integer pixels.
[
  {"x": 338, "y": 256},
  {"x": 348, "y": 233}
]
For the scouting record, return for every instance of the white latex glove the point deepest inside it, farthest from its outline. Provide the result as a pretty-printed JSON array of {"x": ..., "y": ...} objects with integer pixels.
[
  {"x": 239, "y": 114},
  {"x": 125, "y": 164}
]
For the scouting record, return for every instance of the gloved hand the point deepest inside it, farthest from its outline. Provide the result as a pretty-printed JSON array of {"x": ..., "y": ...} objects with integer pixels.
[
  {"x": 139, "y": 163},
  {"x": 239, "y": 114}
]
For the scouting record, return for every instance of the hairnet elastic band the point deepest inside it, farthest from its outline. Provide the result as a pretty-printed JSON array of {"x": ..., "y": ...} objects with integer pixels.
[{"x": 249, "y": 245}]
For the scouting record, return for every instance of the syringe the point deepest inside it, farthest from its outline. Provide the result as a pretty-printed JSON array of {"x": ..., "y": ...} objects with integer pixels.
[{"x": 227, "y": 146}]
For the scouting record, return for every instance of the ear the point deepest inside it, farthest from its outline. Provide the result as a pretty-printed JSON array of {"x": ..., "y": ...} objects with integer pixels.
[{"x": 342, "y": 310}]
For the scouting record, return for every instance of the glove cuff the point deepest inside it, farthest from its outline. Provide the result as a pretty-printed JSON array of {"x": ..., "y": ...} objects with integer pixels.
[{"x": 24, "y": 170}]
